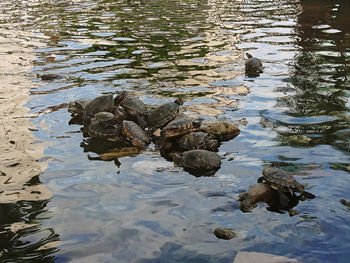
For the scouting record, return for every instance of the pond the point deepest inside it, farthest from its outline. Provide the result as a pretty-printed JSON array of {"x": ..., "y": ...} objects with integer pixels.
[{"x": 141, "y": 208}]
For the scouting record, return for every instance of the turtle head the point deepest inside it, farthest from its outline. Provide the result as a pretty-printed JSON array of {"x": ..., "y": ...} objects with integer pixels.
[
  {"x": 179, "y": 101},
  {"x": 72, "y": 107},
  {"x": 197, "y": 123},
  {"x": 119, "y": 98},
  {"x": 177, "y": 158},
  {"x": 76, "y": 106},
  {"x": 248, "y": 55}
]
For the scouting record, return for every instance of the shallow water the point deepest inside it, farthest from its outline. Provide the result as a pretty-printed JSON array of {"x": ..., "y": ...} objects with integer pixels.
[{"x": 143, "y": 209}]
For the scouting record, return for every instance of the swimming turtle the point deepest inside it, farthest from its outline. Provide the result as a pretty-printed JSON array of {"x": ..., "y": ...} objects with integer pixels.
[
  {"x": 98, "y": 104},
  {"x": 161, "y": 115},
  {"x": 198, "y": 162},
  {"x": 76, "y": 107},
  {"x": 198, "y": 140},
  {"x": 135, "y": 134},
  {"x": 253, "y": 66},
  {"x": 181, "y": 125},
  {"x": 106, "y": 133},
  {"x": 104, "y": 119},
  {"x": 284, "y": 184},
  {"x": 221, "y": 130},
  {"x": 49, "y": 76},
  {"x": 135, "y": 108}
]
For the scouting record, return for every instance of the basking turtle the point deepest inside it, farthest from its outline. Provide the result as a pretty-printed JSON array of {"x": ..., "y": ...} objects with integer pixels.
[
  {"x": 221, "y": 130},
  {"x": 76, "y": 107},
  {"x": 253, "y": 66},
  {"x": 161, "y": 115},
  {"x": 284, "y": 184},
  {"x": 104, "y": 119},
  {"x": 181, "y": 125},
  {"x": 135, "y": 134},
  {"x": 106, "y": 133},
  {"x": 98, "y": 104},
  {"x": 198, "y": 140},
  {"x": 136, "y": 109},
  {"x": 198, "y": 162}
]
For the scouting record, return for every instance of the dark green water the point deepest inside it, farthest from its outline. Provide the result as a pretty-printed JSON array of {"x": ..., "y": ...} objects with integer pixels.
[{"x": 142, "y": 208}]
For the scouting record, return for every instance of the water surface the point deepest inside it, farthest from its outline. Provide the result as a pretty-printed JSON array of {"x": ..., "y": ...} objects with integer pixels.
[{"x": 143, "y": 209}]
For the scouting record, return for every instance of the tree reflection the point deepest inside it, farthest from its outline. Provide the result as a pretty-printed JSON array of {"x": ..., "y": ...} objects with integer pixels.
[
  {"x": 22, "y": 238},
  {"x": 320, "y": 71}
]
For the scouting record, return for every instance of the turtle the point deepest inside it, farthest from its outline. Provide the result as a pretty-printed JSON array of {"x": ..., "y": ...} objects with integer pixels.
[
  {"x": 164, "y": 113},
  {"x": 136, "y": 109},
  {"x": 284, "y": 183},
  {"x": 98, "y": 104},
  {"x": 104, "y": 119},
  {"x": 106, "y": 133},
  {"x": 198, "y": 162},
  {"x": 198, "y": 140},
  {"x": 253, "y": 66},
  {"x": 221, "y": 130},
  {"x": 49, "y": 76},
  {"x": 181, "y": 125},
  {"x": 135, "y": 134},
  {"x": 76, "y": 107}
]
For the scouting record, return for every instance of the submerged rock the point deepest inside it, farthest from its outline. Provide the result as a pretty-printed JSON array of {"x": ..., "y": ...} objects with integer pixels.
[
  {"x": 248, "y": 257},
  {"x": 257, "y": 193},
  {"x": 261, "y": 192}
]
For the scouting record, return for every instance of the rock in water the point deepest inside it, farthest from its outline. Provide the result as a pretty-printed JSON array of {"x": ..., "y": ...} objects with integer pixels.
[{"x": 224, "y": 233}]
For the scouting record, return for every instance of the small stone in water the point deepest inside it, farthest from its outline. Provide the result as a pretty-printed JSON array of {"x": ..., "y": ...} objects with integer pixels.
[{"x": 224, "y": 233}]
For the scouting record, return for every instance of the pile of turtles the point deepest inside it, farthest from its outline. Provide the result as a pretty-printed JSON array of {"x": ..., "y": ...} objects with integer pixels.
[{"x": 190, "y": 143}]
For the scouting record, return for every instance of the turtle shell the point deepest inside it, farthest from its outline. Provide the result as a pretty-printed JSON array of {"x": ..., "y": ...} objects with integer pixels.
[
  {"x": 98, "y": 131},
  {"x": 133, "y": 105},
  {"x": 221, "y": 130},
  {"x": 280, "y": 179},
  {"x": 182, "y": 124},
  {"x": 198, "y": 140},
  {"x": 98, "y": 104},
  {"x": 161, "y": 115},
  {"x": 135, "y": 134},
  {"x": 77, "y": 107},
  {"x": 199, "y": 162},
  {"x": 104, "y": 118}
]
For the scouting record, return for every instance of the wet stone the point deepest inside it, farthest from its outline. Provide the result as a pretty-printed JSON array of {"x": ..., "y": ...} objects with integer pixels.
[{"x": 224, "y": 233}]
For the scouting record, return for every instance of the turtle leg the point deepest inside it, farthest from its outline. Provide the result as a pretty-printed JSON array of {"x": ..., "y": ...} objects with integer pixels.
[
  {"x": 283, "y": 199},
  {"x": 261, "y": 179},
  {"x": 293, "y": 212},
  {"x": 307, "y": 195}
]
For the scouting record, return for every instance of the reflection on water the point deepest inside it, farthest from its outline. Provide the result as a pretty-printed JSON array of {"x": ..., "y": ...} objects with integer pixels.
[
  {"x": 22, "y": 234},
  {"x": 146, "y": 210}
]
